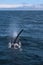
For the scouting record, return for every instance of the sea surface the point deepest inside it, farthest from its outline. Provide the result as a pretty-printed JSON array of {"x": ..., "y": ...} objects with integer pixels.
[{"x": 11, "y": 22}]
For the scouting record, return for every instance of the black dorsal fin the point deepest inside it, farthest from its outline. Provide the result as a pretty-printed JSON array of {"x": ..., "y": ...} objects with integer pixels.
[{"x": 18, "y": 36}]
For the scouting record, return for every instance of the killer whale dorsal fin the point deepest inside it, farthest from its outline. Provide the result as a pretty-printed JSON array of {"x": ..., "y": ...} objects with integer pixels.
[{"x": 18, "y": 35}]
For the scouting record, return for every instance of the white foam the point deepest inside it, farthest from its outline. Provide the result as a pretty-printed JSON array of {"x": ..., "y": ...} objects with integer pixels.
[{"x": 15, "y": 46}]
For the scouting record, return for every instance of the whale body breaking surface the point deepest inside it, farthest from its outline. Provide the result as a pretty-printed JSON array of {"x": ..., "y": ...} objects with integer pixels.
[{"x": 16, "y": 44}]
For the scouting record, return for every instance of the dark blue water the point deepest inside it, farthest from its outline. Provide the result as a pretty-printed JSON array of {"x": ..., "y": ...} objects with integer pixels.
[{"x": 31, "y": 22}]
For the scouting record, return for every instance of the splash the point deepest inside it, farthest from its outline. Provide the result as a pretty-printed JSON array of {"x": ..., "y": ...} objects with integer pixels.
[
  {"x": 14, "y": 34},
  {"x": 15, "y": 46}
]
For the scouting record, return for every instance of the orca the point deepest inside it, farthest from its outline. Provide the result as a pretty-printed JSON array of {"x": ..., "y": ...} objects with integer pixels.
[{"x": 15, "y": 44}]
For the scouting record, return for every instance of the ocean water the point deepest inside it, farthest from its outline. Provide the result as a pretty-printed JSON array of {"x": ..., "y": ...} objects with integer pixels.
[{"x": 11, "y": 22}]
